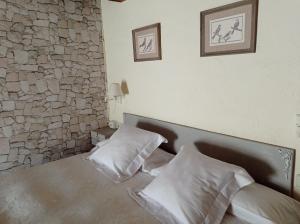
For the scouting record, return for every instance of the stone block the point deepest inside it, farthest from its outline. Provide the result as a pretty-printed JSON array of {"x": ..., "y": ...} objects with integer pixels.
[
  {"x": 5, "y": 25},
  {"x": 42, "y": 33},
  {"x": 53, "y": 86},
  {"x": 55, "y": 105},
  {"x": 3, "y": 51},
  {"x": 85, "y": 36},
  {"x": 13, "y": 87},
  {"x": 40, "y": 43},
  {"x": 53, "y": 18},
  {"x": 33, "y": 68},
  {"x": 95, "y": 74},
  {"x": 71, "y": 144},
  {"x": 27, "y": 109},
  {"x": 72, "y": 34},
  {"x": 63, "y": 33},
  {"x": 4, "y": 146},
  {"x": 21, "y": 57},
  {"x": 58, "y": 49},
  {"x": 74, "y": 128},
  {"x": 82, "y": 127},
  {"x": 98, "y": 26},
  {"x": 66, "y": 117},
  {"x": 52, "y": 143},
  {"x": 41, "y": 85},
  {"x": 13, "y": 155},
  {"x": 52, "y": 98},
  {"x": 31, "y": 144},
  {"x": 86, "y": 11},
  {"x": 43, "y": 23},
  {"x": 8, "y": 105},
  {"x": 2, "y": 73},
  {"x": 19, "y": 138},
  {"x": 76, "y": 17},
  {"x": 18, "y": 27},
  {"x": 86, "y": 112},
  {"x": 42, "y": 59},
  {"x": 58, "y": 73},
  {"x": 80, "y": 103},
  {"x": 70, "y": 6},
  {"x": 8, "y": 121},
  {"x": 21, "y": 158},
  {"x": 24, "y": 86},
  {"x": 38, "y": 111},
  {"x": 2, "y": 33},
  {"x": 20, "y": 119},
  {"x": 12, "y": 77},
  {"x": 55, "y": 125},
  {"x": 62, "y": 24},
  {"x": 38, "y": 127},
  {"x": 7, "y": 131},
  {"x": 41, "y": 15},
  {"x": 3, "y": 62},
  {"x": 55, "y": 156},
  {"x": 95, "y": 37},
  {"x": 3, "y": 158},
  {"x": 15, "y": 37},
  {"x": 2, "y": 5},
  {"x": 24, "y": 152},
  {"x": 6, "y": 166}
]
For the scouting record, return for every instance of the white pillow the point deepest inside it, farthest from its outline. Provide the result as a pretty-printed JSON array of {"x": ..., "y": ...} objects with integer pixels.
[
  {"x": 259, "y": 204},
  {"x": 193, "y": 188},
  {"x": 99, "y": 145},
  {"x": 154, "y": 163},
  {"x": 124, "y": 153}
]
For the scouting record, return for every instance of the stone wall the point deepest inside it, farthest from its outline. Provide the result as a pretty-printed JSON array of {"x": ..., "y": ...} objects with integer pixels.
[{"x": 52, "y": 79}]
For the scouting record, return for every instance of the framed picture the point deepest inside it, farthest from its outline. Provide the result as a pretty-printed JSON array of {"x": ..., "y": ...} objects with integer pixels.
[
  {"x": 147, "y": 43},
  {"x": 230, "y": 29}
]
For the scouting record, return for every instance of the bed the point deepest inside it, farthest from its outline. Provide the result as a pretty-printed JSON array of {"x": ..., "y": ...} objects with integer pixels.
[{"x": 73, "y": 191}]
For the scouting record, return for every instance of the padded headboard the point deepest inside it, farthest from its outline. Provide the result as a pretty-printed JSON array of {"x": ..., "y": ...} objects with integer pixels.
[{"x": 269, "y": 165}]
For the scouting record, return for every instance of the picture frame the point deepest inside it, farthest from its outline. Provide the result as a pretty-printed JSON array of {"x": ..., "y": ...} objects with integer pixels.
[
  {"x": 147, "y": 43},
  {"x": 229, "y": 29}
]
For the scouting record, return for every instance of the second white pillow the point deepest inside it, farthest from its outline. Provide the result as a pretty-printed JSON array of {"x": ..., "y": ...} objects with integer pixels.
[{"x": 193, "y": 188}]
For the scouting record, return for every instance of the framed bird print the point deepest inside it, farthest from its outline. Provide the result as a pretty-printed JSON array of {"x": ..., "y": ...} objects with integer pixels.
[
  {"x": 230, "y": 29},
  {"x": 147, "y": 43}
]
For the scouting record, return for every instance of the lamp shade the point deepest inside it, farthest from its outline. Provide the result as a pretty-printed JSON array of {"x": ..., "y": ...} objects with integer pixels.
[{"x": 115, "y": 90}]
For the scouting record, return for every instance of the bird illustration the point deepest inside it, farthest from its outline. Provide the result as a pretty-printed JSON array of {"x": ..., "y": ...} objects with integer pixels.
[
  {"x": 220, "y": 39},
  {"x": 236, "y": 26},
  {"x": 143, "y": 44},
  {"x": 227, "y": 36},
  {"x": 217, "y": 32},
  {"x": 149, "y": 46}
]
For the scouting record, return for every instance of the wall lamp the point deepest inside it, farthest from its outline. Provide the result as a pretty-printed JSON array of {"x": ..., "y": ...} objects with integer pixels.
[{"x": 114, "y": 92}]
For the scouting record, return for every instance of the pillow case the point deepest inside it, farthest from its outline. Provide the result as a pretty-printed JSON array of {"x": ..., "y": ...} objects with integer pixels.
[
  {"x": 156, "y": 161},
  {"x": 259, "y": 204},
  {"x": 193, "y": 188},
  {"x": 99, "y": 145},
  {"x": 124, "y": 153}
]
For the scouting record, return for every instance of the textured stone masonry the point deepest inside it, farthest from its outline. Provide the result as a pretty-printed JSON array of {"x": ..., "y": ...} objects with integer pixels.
[{"x": 52, "y": 79}]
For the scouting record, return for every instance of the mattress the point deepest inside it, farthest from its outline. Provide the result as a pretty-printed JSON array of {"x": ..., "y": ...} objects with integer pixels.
[{"x": 72, "y": 191}]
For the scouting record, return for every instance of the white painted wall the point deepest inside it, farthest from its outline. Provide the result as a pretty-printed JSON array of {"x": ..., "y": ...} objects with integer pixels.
[{"x": 254, "y": 96}]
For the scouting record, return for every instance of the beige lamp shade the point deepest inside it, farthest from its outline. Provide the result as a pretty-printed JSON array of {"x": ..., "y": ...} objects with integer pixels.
[{"x": 115, "y": 90}]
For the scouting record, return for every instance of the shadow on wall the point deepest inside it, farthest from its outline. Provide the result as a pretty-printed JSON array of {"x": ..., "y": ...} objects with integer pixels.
[
  {"x": 256, "y": 167},
  {"x": 168, "y": 134},
  {"x": 297, "y": 195}
]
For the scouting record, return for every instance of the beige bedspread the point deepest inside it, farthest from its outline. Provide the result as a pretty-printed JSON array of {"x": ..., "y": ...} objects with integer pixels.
[{"x": 71, "y": 191}]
